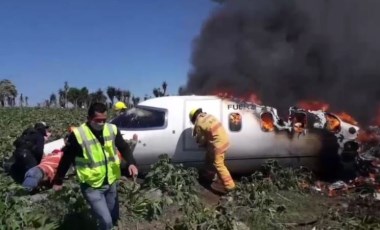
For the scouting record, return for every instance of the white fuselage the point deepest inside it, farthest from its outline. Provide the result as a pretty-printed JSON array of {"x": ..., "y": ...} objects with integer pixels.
[{"x": 163, "y": 127}]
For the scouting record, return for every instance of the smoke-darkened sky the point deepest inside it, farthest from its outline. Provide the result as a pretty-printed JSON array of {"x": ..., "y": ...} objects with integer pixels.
[{"x": 287, "y": 51}]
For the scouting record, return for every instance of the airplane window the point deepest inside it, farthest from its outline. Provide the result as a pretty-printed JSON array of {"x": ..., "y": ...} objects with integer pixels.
[
  {"x": 299, "y": 122},
  {"x": 267, "y": 122},
  {"x": 140, "y": 117},
  {"x": 333, "y": 123},
  {"x": 234, "y": 122}
]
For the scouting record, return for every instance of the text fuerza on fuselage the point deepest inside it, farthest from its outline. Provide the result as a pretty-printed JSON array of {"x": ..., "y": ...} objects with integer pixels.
[{"x": 241, "y": 106}]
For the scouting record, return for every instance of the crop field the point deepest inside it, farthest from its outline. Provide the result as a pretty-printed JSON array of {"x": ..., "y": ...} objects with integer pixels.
[{"x": 170, "y": 197}]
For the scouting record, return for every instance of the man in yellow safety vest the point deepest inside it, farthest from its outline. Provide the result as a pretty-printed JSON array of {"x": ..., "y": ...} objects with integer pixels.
[{"x": 92, "y": 147}]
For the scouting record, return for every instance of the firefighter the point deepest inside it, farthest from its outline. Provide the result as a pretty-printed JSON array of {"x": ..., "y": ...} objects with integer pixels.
[
  {"x": 210, "y": 134},
  {"x": 120, "y": 108}
]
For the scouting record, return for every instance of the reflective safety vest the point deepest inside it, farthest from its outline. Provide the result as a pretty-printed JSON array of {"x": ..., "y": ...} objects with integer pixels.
[{"x": 98, "y": 161}]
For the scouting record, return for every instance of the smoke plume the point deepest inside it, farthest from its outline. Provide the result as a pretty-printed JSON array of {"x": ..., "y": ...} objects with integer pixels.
[{"x": 288, "y": 51}]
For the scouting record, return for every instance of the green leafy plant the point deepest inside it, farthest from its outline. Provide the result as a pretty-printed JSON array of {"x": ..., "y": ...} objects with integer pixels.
[
  {"x": 170, "y": 194},
  {"x": 174, "y": 180}
]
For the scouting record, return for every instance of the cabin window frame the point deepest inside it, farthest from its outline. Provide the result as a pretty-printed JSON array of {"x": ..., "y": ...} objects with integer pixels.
[
  {"x": 143, "y": 107},
  {"x": 261, "y": 121},
  {"x": 304, "y": 122},
  {"x": 230, "y": 124},
  {"x": 340, "y": 128}
]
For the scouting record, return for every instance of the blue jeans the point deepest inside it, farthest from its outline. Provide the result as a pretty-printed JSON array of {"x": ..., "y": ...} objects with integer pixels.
[
  {"x": 32, "y": 179},
  {"x": 104, "y": 202}
]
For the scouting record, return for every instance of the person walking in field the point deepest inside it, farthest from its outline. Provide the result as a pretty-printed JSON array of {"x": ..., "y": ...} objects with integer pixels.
[{"x": 92, "y": 147}]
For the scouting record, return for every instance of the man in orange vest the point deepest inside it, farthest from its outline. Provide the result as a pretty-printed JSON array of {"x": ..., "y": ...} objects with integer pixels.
[{"x": 210, "y": 134}]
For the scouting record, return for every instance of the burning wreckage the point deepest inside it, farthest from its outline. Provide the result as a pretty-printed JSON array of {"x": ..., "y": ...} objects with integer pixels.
[
  {"x": 302, "y": 121},
  {"x": 356, "y": 156},
  {"x": 313, "y": 138}
]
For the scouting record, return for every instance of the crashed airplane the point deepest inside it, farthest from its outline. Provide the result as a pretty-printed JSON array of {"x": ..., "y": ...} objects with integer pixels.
[{"x": 256, "y": 133}]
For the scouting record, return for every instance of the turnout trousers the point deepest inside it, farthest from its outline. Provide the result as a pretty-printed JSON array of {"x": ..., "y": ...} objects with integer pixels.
[{"x": 216, "y": 170}]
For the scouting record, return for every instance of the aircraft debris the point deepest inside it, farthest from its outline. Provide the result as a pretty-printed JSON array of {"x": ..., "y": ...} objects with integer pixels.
[{"x": 367, "y": 169}]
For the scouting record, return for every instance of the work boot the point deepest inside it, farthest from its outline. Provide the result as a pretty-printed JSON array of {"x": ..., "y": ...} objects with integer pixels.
[{"x": 218, "y": 188}]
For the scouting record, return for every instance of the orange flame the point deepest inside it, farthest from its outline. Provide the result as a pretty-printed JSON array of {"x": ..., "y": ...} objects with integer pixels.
[
  {"x": 367, "y": 137},
  {"x": 235, "y": 118},
  {"x": 267, "y": 123},
  {"x": 333, "y": 124},
  {"x": 226, "y": 94},
  {"x": 254, "y": 99},
  {"x": 313, "y": 105},
  {"x": 347, "y": 118},
  {"x": 222, "y": 93}
]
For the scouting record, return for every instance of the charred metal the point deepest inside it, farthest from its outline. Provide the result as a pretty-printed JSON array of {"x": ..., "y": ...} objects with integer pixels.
[{"x": 342, "y": 137}]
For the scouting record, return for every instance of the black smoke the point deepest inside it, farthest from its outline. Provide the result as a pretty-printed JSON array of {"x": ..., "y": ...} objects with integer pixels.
[{"x": 287, "y": 51}]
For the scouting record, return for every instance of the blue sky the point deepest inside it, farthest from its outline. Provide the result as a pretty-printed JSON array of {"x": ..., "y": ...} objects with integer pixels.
[{"x": 129, "y": 44}]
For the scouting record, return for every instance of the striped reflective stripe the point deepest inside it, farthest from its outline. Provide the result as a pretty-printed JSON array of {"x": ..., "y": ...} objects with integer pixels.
[
  {"x": 112, "y": 137},
  {"x": 84, "y": 163},
  {"x": 87, "y": 144},
  {"x": 90, "y": 142},
  {"x": 226, "y": 179}
]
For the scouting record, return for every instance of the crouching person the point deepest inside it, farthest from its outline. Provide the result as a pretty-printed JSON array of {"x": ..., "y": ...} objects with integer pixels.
[
  {"x": 210, "y": 134},
  {"x": 29, "y": 149},
  {"x": 44, "y": 172}
]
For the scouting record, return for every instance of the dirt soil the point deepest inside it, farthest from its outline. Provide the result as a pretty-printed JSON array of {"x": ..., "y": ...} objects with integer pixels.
[
  {"x": 170, "y": 214},
  {"x": 303, "y": 211}
]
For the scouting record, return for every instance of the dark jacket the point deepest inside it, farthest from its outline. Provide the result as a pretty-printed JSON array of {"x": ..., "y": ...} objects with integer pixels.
[
  {"x": 33, "y": 140},
  {"x": 29, "y": 149},
  {"x": 73, "y": 149}
]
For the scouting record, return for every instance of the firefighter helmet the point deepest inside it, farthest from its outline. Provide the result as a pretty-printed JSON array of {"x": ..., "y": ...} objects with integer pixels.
[
  {"x": 120, "y": 105},
  {"x": 194, "y": 113}
]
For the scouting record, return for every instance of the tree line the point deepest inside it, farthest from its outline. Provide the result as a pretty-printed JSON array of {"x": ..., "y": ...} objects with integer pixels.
[{"x": 70, "y": 96}]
